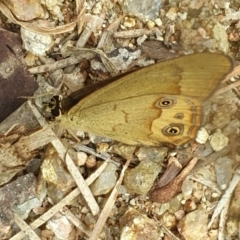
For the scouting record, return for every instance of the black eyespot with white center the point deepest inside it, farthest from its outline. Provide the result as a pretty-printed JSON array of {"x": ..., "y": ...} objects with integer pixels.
[
  {"x": 173, "y": 129},
  {"x": 166, "y": 102}
]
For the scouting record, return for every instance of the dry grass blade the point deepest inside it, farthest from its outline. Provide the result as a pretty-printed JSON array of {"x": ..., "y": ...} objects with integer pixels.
[
  {"x": 80, "y": 147},
  {"x": 87, "y": 194},
  {"x": 106, "y": 39},
  {"x": 75, "y": 221},
  {"x": 168, "y": 232},
  {"x": 203, "y": 181},
  {"x": 69, "y": 198},
  {"x": 234, "y": 73},
  {"x": 108, "y": 206},
  {"x": 80, "y": 14},
  {"x": 227, "y": 88},
  {"x": 32, "y": 26},
  {"x": 21, "y": 150},
  {"x": 61, "y": 63},
  {"x": 135, "y": 33},
  {"x": 24, "y": 227},
  {"x": 39, "y": 138},
  {"x": 223, "y": 204},
  {"x": 106, "y": 61}
]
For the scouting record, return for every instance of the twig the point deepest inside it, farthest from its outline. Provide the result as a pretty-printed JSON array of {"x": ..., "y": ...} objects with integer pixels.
[
  {"x": 108, "y": 206},
  {"x": 106, "y": 39},
  {"x": 223, "y": 204},
  {"x": 60, "y": 64},
  {"x": 80, "y": 147},
  {"x": 167, "y": 231},
  {"x": 205, "y": 182},
  {"x": 111, "y": 68},
  {"x": 62, "y": 152},
  {"x": 167, "y": 192},
  {"x": 75, "y": 221},
  {"x": 66, "y": 200},
  {"x": 25, "y": 227},
  {"x": 135, "y": 33},
  {"x": 135, "y": 62},
  {"x": 227, "y": 88},
  {"x": 234, "y": 73}
]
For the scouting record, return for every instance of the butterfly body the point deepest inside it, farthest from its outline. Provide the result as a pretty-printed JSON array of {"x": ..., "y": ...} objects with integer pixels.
[{"x": 156, "y": 104}]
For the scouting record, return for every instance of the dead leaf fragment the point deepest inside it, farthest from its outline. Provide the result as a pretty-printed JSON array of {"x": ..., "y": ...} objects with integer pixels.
[{"x": 15, "y": 81}]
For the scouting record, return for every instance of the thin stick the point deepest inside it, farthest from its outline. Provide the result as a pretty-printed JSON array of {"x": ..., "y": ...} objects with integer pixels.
[
  {"x": 227, "y": 88},
  {"x": 223, "y": 204},
  {"x": 203, "y": 181},
  {"x": 80, "y": 147},
  {"x": 62, "y": 152},
  {"x": 234, "y": 73},
  {"x": 66, "y": 200},
  {"x": 25, "y": 227},
  {"x": 108, "y": 206},
  {"x": 135, "y": 33},
  {"x": 60, "y": 64}
]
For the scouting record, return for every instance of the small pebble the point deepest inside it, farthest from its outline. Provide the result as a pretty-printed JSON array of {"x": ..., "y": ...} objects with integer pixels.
[
  {"x": 129, "y": 22},
  {"x": 218, "y": 140},
  {"x": 172, "y": 14},
  {"x": 150, "y": 24},
  {"x": 158, "y": 22}
]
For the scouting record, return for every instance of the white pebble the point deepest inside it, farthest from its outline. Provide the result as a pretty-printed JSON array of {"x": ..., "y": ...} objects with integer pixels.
[
  {"x": 36, "y": 43},
  {"x": 129, "y": 22},
  {"x": 172, "y": 14},
  {"x": 202, "y": 136},
  {"x": 158, "y": 22}
]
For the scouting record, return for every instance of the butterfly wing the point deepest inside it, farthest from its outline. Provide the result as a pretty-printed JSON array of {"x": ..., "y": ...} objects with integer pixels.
[{"x": 127, "y": 109}]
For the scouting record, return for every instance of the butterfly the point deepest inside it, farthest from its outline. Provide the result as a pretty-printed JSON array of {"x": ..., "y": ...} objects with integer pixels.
[{"x": 160, "y": 103}]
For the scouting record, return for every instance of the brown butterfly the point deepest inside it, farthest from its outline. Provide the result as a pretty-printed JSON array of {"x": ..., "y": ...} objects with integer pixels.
[{"x": 156, "y": 104}]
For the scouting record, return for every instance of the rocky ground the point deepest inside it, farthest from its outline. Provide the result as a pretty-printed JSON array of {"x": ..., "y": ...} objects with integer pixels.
[{"x": 57, "y": 47}]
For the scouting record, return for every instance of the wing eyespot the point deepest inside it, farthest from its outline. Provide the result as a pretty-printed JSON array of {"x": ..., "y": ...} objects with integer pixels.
[
  {"x": 174, "y": 129},
  {"x": 166, "y": 103}
]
